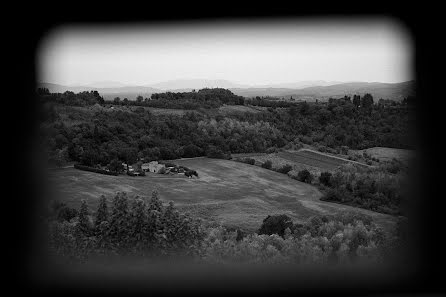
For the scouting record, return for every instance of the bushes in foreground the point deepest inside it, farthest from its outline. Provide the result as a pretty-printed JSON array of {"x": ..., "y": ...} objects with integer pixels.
[
  {"x": 132, "y": 226},
  {"x": 320, "y": 240},
  {"x": 285, "y": 169},
  {"x": 136, "y": 227}
]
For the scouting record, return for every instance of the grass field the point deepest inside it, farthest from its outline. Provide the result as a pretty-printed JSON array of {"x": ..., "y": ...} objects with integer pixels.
[
  {"x": 312, "y": 159},
  {"x": 232, "y": 109},
  {"x": 227, "y": 192},
  {"x": 387, "y": 153}
]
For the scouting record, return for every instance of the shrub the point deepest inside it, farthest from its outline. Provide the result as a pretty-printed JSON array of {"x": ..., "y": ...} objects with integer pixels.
[
  {"x": 285, "y": 169},
  {"x": 115, "y": 166},
  {"x": 341, "y": 195},
  {"x": 66, "y": 213},
  {"x": 271, "y": 150},
  {"x": 325, "y": 179},
  {"x": 267, "y": 164},
  {"x": 191, "y": 173},
  {"x": 249, "y": 161},
  {"x": 304, "y": 176},
  {"x": 275, "y": 224}
]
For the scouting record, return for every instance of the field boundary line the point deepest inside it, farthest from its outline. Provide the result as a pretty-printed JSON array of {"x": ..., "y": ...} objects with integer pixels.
[{"x": 335, "y": 157}]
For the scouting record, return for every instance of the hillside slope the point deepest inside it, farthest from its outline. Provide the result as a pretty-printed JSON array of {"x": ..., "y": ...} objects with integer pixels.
[{"x": 230, "y": 193}]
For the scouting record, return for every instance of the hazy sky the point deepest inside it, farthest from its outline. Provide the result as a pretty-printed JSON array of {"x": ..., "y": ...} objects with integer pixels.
[{"x": 248, "y": 53}]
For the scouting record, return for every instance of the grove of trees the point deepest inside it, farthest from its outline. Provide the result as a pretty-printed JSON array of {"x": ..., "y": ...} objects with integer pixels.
[{"x": 137, "y": 227}]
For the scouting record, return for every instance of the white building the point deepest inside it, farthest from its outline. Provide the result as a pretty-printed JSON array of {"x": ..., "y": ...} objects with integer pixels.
[{"x": 153, "y": 166}]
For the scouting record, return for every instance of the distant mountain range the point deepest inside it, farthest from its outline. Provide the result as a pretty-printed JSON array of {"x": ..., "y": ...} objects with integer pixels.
[
  {"x": 393, "y": 91},
  {"x": 304, "y": 90}
]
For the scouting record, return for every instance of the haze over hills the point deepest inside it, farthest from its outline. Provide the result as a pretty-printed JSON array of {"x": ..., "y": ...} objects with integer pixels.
[
  {"x": 107, "y": 84},
  {"x": 179, "y": 84},
  {"x": 303, "y": 90},
  {"x": 393, "y": 91}
]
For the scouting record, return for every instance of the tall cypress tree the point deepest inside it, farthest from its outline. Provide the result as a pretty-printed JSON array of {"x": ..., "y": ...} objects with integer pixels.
[
  {"x": 83, "y": 223},
  {"x": 138, "y": 223},
  {"x": 102, "y": 213},
  {"x": 356, "y": 100},
  {"x": 155, "y": 203},
  {"x": 119, "y": 221}
]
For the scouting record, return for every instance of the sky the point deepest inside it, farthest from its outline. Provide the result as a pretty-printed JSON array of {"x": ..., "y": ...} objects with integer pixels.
[{"x": 250, "y": 52}]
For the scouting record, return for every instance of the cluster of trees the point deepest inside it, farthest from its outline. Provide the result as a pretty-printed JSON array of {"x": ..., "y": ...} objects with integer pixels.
[
  {"x": 303, "y": 175},
  {"x": 340, "y": 123},
  {"x": 270, "y": 102},
  {"x": 129, "y": 226},
  {"x": 127, "y": 136},
  {"x": 134, "y": 227},
  {"x": 70, "y": 98},
  {"x": 204, "y": 98},
  {"x": 376, "y": 189}
]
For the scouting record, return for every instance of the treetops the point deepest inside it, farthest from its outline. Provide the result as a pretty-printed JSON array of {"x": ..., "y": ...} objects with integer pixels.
[{"x": 134, "y": 226}]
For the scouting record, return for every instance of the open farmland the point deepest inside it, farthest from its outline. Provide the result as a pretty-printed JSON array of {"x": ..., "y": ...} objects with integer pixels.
[
  {"x": 233, "y": 109},
  {"x": 387, "y": 153},
  {"x": 313, "y": 161},
  {"x": 230, "y": 193}
]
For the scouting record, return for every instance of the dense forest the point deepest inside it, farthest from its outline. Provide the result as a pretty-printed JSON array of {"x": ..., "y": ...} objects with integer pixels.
[{"x": 74, "y": 131}]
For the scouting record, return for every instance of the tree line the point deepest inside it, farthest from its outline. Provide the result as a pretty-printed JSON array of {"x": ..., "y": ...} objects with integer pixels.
[
  {"x": 137, "y": 227},
  {"x": 101, "y": 136}
]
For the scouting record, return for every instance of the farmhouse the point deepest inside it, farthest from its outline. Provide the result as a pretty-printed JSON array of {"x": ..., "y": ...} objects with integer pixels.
[{"x": 153, "y": 166}]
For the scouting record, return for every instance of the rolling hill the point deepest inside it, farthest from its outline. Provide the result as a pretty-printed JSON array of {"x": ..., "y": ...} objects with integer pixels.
[
  {"x": 230, "y": 193},
  {"x": 393, "y": 91}
]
